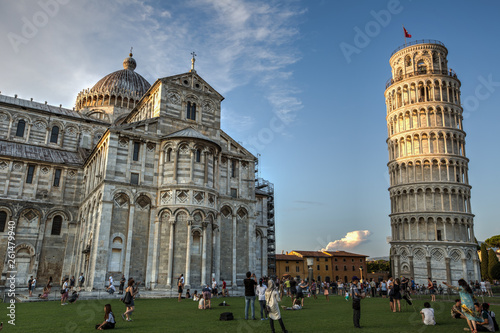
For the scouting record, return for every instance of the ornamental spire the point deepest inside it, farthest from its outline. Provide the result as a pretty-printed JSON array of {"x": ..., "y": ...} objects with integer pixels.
[{"x": 193, "y": 59}]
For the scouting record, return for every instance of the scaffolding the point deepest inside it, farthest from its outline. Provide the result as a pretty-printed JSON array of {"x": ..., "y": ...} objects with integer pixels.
[{"x": 267, "y": 188}]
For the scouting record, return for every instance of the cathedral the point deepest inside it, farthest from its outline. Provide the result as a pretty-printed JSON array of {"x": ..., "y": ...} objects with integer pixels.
[{"x": 138, "y": 179}]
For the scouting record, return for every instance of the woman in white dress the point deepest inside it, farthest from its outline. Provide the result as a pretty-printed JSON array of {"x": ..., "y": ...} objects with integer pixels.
[{"x": 272, "y": 299}]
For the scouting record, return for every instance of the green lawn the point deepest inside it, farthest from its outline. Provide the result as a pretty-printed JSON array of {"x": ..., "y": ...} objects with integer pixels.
[{"x": 167, "y": 315}]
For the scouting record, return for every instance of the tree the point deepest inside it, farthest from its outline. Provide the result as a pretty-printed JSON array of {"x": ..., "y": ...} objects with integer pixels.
[
  {"x": 495, "y": 271},
  {"x": 492, "y": 261},
  {"x": 493, "y": 241},
  {"x": 484, "y": 262}
]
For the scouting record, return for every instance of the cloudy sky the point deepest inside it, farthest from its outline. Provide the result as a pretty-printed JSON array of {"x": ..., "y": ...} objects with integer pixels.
[{"x": 303, "y": 87}]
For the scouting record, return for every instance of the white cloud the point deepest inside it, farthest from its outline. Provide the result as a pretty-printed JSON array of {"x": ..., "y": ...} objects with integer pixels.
[{"x": 351, "y": 240}]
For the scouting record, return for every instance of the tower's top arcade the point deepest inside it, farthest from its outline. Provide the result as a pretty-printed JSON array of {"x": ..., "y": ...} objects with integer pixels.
[{"x": 420, "y": 57}]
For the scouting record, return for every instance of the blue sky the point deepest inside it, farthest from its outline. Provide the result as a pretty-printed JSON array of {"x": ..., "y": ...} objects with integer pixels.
[{"x": 315, "y": 114}]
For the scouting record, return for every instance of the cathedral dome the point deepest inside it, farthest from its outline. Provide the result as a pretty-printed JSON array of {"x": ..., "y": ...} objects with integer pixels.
[{"x": 126, "y": 79}]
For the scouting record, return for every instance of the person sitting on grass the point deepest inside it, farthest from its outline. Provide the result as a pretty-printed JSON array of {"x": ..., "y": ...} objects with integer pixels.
[
  {"x": 487, "y": 324},
  {"x": 456, "y": 310},
  {"x": 201, "y": 303},
  {"x": 72, "y": 299},
  {"x": 109, "y": 319},
  {"x": 428, "y": 314},
  {"x": 196, "y": 297},
  {"x": 296, "y": 305}
]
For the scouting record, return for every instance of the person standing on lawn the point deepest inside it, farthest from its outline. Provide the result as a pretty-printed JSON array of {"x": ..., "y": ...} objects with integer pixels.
[
  {"x": 272, "y": 299},
  {"x": 356, "y": 301},
  {"x": 250, "y": 283}
]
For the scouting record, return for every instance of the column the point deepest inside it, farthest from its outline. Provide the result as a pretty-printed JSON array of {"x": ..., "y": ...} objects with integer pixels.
[
  {"x": 170, "y": 253},
  {"x": 205, "y": 178},
  {"x": 234, "y": 251},
  {"x": 216, "y": 231},
  {"x": 448, "y": 270},
  {"x": 476, "y": 271},
  {"x": 412, "y": 271},
  {"x": 191, "y": 166},
  {"x": 188, "y": 253},
  {"x": 128, "y": 248},
  {"x": 464, "y": 269},
  {"x": 152, "y": 263},
  {"x": 204, "y": 255},
  {"x": 264, "y": 256},
  {"x": 429, "y": 271},
  {"x": 229, "y": 173},
  {"x": 174, "y": 151},
  {"x": 161, "y": 167}
]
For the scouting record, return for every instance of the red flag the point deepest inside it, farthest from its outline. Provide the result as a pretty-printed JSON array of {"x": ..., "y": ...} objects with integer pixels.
[{"x": 407, "y": 35}]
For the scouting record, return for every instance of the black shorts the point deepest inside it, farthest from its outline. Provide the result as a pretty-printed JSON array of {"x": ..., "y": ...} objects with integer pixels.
[
  {"x": 300, "y": 294},
  {"x": 179, "y": 290},
  {"x": 294, "y": 291},
  {"x": 214, "y": 291}
]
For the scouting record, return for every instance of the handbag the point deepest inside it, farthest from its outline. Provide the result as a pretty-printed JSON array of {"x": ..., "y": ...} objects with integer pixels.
[
  {"x": 63, "y": 291},
  {"x": 127, "y": 299}
]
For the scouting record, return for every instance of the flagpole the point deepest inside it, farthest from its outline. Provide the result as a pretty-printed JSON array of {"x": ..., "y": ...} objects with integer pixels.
[{"x": 404, "y": 33}]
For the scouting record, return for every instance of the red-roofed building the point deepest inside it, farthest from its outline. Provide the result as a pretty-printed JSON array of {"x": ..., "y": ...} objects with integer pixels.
[{"x": 326, "y": 265}]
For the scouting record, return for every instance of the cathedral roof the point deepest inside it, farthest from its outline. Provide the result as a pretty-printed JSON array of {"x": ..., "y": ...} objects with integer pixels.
[
  {"x": 125, "y": 79},
  {"x": 189, "y": 132},
  {"x": 37, "y": 153}
]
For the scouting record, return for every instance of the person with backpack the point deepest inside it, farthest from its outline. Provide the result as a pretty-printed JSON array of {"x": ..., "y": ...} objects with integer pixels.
[
  {"x": 81, "y": 280},
  {"x": 487, "y": 324},
  {"x": 356, "y": 301}
]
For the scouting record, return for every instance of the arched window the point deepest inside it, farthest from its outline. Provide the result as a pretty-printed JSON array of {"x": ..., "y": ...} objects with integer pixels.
[
  {"x": 196, "y": 246},
  {"x": 3, "y": 220},
  {"x": 198, "y": 155},
  {"x": 56, "y": 225},
  {"x": 21, "y": 124},
  {"x": 116, "y": 255},
  {"x": 169, "y": 155},
  {"x": 54, "y": 135},
  {"x": 191, "y": 111},
  {"x": 422, "y": 69}
]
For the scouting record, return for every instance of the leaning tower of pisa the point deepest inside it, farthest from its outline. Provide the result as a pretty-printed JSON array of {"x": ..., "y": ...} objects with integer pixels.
[{"x": 431, "y": 220}]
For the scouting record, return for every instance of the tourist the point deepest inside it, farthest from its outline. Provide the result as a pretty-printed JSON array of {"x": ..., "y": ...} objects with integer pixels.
[
  {"x": 482, "y": 285},
  {"x": 111, "y": 289},
  {"x": 81, "y": 280},
  {"x": 224, "y": 288},
  {"x": 281, "y": 288},
  {"x": 456, "y": 310},
  {"x": 272, "y": 299},
  {"x": 301, "y": 290},
  {"x": 188, "y": 294},
  {"x": 206, "y": 296},
  {"x": 122, "y": 285},
  {"x": 49, "y": 284},
  {"x": 72, "y": 299},
  {"x": 383, "y": 288},
  {"x": 72, "y": 283},
  {"x": 326, "y": 291},
  {"x": 293, "y": 289},
  {"x": 250, "y": 283},
  {"x": 428, "y": 314},
  {"x": 261, "y": 293},
  {"x": 30, "y": 281},
  {"x": 180, "y": 285},
  {"x": 488, "y": 288},
  {"x": 214, "y": 288},
  {"x": 356, "y": 301},
  {"x": 196, "y": 297},
  {"x": 45, "y": 293},
  {"x": 287, "y": 287},
  {"x": 485, "y": 324},
  {"x": 64, "y": 291},
  {"x": 390, "y": 291},
  {"x": 313, "y": 289},
  {"x": 109, "y": 319},
  {"x": 296, "y": 306},
  {"x": 33, "y": 285},
  {"x": 129, "y": 300},
  {"x": 373, "y": 287},
  {"x": 396, "y": 296},
  {"x": 341, "y": 288},
  {"x": 201, "y": 303},
  {"x": 467, "y": 303}
]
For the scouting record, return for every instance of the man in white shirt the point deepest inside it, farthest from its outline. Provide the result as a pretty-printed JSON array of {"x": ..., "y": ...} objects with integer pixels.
[
  {"x": 214, "y": 288},
  {"x": 428, "y": 314}
]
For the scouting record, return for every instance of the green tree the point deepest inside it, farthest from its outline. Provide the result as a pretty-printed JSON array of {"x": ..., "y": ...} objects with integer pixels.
[
  {"x": 492, "y": 261},
  {"x": 493, "y": 241},
  {"x": 495, "y": 271},
  {"x": 484, "y": 262}
]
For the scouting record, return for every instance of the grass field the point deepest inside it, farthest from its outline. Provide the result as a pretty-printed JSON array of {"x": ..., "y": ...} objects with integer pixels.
[{"x": 167, "y": 315}]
